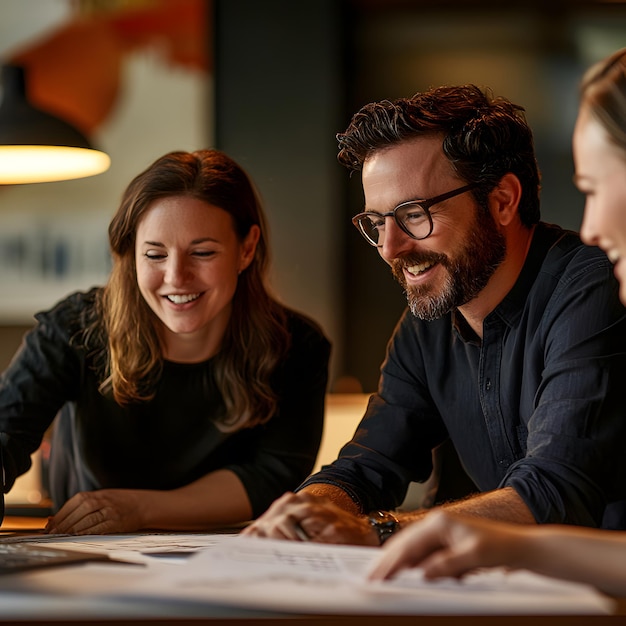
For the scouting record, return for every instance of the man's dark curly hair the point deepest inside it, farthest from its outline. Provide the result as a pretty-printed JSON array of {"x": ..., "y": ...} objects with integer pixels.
[{"x": 483, "y": 137}]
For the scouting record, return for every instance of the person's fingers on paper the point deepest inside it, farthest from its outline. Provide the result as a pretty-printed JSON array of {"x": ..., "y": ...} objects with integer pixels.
[
  {"x": 285, "y": 527},
  {"x": 97, "y": 512},
  {"x": 278, "y": 521},
  {"x": 445, "y": 544},
  {"x": 472, "y": 543},
  {"x": 67, "y": 516},
  {"x": 287, "y": 517},
  {"x": 406, "y": 549},
  {"x": 303, "y": 516},
  {"x": 441, "y": 545},
  {"x": 301, "y": 534},
  {"x": 274, "y": 522},
  {"x": 81, "y": 514},
  {"x": 317, "y": 518},
  {"x": 331, "y": 524},
  {"x": 307, "y": 515}
]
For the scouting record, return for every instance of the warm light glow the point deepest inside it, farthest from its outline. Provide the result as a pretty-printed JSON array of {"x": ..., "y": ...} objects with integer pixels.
[{"x": 41, "y": 164}]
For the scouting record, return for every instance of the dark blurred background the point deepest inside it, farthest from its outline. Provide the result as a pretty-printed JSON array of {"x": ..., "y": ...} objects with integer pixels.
[{"x": 362, "y": 50}]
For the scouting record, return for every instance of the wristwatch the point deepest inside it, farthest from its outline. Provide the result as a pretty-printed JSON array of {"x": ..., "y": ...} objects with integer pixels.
[{"x": 384, "y": 523}]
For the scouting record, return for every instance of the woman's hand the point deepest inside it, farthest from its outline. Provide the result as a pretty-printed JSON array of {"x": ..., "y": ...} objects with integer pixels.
[
  {"x": 98, "y": 513},
  {"x": 303, "y": 516},
  {"x": 446, "y": 544},
  {"x": 215, "y": 500}
]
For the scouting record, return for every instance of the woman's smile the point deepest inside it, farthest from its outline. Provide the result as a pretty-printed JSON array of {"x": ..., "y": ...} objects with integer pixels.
[{"x": 188, "y": 258}]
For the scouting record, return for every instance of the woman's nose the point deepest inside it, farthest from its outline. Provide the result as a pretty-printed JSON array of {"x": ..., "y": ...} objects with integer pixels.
[
  {"x": 178, "y": 272},
  {"x": 589, "y": 227}
]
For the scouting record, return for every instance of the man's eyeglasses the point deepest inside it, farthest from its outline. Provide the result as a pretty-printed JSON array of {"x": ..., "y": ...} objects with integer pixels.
[{"x": 412, "y": 217}]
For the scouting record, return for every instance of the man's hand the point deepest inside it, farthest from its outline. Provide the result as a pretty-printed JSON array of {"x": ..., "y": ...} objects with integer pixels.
[
  {"x": 302, "y": 516},
  {"x": 98, "y": 513}
]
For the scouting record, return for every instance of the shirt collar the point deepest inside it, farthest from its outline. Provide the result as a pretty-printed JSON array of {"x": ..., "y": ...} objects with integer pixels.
[{"x": 544, "y": 237}]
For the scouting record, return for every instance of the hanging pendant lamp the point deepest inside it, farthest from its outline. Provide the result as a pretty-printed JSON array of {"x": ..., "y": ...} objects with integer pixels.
[{"x": 37, "y": 147}]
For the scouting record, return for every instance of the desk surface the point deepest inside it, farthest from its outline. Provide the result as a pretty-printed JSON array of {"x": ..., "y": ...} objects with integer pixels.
[
  {"x": 330, "y": 620},
  {"x": 14, "y": 524},
  {"x": 36, "y": 599}
]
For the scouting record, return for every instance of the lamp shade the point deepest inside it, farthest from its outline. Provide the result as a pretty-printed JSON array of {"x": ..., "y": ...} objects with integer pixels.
[{"x": 36, "y": 146}]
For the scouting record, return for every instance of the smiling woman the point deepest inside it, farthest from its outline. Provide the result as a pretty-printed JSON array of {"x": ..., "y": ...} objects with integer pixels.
[
  {"x": 187, "y": 396},
  {"x": 188, "y": 280}
]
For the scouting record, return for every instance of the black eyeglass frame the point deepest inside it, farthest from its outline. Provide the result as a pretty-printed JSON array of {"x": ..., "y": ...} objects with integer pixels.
[{"x": 423, "y": 204}]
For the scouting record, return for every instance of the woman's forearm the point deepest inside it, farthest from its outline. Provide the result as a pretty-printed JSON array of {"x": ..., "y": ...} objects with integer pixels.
[
  {"x": 217, "y": 499},
  {"x": 592, "y": 556}
]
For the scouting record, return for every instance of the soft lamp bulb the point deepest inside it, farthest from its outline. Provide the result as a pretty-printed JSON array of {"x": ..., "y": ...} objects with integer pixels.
[
  {"x": 41, "y": 164},
  {"x": 37, "y": 147}
]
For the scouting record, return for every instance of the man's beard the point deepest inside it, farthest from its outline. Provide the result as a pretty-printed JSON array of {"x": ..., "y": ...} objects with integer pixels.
[{"x": 468, "y": 272}]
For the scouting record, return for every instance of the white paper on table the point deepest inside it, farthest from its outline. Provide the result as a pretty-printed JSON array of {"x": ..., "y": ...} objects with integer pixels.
[
  {"x": 139, "y": 548},
  {"x": 303, "y": 577}
]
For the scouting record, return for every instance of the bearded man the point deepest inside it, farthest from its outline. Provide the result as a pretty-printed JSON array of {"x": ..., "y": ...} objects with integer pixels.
[{"x": 513, "y": 345}]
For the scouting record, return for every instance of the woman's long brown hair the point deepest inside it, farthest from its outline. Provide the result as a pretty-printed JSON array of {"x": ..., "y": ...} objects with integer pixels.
[{"x": 256, "y": 338}]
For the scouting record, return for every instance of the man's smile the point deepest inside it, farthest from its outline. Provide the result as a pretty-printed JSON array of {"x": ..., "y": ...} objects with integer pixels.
[{"x": 419, "y": 268}]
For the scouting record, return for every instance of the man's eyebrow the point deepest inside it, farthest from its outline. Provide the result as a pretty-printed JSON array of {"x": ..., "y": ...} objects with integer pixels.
[
  {"x": 416, "y": 200},
  {"x": 366, "y": 210}
]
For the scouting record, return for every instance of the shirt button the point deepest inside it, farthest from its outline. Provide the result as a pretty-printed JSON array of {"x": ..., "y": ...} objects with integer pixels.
[{"x": 488, "y": 384}]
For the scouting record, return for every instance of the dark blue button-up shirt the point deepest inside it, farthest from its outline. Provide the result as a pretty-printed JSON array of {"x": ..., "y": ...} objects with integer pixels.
[{"x": 538, "y": 405}]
